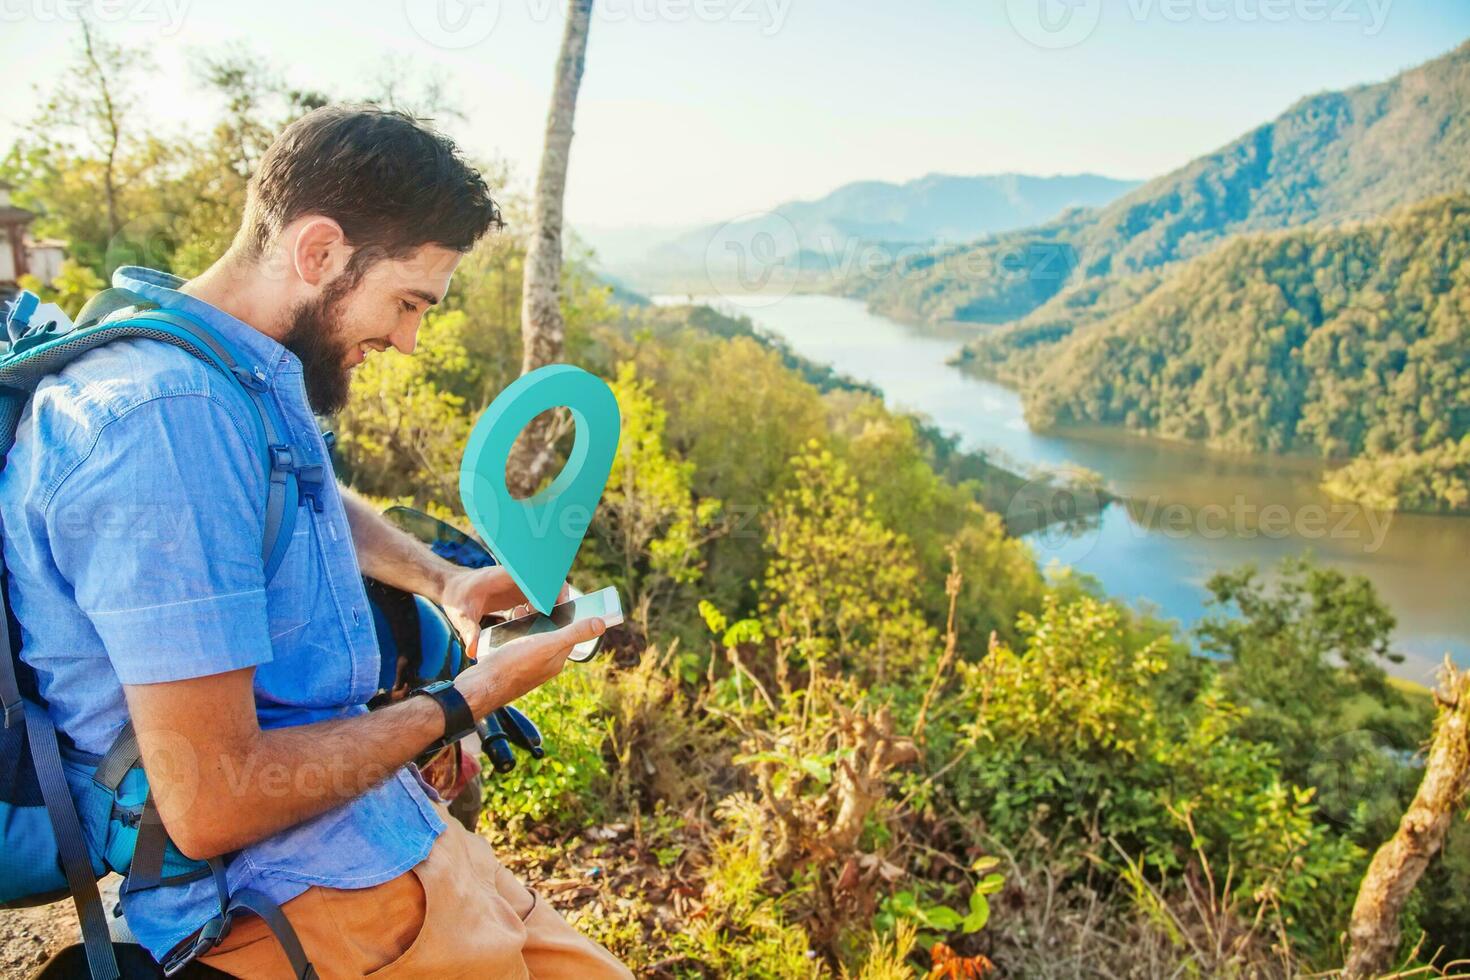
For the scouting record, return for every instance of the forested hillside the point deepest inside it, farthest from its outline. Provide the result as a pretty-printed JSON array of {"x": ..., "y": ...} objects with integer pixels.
[
  {"x": 1335, "y": 156},
  {"x": 1344, "y": 342}
]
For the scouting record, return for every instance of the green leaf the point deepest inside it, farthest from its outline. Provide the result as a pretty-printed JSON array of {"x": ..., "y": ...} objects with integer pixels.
[
  {"x": 942, "y": 917},
  {"x": 979, "y": 913},
  {"x": 819, "y": 771}
]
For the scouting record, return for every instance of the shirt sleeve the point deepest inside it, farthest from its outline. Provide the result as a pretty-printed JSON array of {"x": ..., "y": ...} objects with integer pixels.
[{"x": 159, "y": 530}]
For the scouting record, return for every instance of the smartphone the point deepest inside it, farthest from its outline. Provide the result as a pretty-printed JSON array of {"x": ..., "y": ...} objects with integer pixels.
[{"x": 604, "y": 604}]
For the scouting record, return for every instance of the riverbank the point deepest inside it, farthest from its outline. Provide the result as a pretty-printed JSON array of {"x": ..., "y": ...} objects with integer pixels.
[{"x": 1175, "y": 513}]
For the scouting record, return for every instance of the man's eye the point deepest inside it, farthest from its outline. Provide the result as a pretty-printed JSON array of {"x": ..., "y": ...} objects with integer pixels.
[{"x": 407, "y": 306}]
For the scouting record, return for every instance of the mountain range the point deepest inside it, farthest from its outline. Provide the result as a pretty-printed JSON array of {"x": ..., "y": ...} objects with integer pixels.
[
  {"x": 1337, "y": 156},
  {"x": 816, "y": 234}
]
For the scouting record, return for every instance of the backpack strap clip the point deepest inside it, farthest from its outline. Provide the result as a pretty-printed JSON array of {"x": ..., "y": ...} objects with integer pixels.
[
  {"x": 208, "y": 936},
  {"x": 309, "y": 485},
  {"x": 254, "y": 380}
]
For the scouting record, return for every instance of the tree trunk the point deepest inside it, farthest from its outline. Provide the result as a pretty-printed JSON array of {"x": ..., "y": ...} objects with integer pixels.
[
  {"x": 1374, "y": 930},
  {"x": 107, "y": 112},
  {"x": 543, "y": 329}
]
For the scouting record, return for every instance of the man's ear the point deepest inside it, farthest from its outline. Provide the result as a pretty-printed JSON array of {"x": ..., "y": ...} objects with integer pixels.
[{"x": 320, "y": 250}]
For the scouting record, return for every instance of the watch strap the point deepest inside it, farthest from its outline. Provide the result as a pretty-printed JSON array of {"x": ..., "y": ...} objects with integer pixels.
[{"x": 459, "y": 720}]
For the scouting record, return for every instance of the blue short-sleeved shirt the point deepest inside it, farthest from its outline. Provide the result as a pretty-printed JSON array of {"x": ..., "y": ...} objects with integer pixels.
[{"x": 133, "y": 505}]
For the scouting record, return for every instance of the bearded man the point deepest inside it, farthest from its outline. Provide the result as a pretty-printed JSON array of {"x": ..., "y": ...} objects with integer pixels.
[{"x": 248, "y": 695}]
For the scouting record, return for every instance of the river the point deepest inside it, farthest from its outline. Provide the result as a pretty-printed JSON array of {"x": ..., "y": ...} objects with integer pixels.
[{"x": 1185, "y": 512}]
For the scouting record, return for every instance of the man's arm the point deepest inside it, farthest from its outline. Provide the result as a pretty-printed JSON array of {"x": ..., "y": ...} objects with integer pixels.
[
  {"x": 396, "y": 558},
  {"x": 391, "y": 555},
  {"x": 221, "y": 783}
]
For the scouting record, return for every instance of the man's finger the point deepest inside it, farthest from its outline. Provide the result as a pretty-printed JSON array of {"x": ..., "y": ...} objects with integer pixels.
[{"x": 579, "y": 632}]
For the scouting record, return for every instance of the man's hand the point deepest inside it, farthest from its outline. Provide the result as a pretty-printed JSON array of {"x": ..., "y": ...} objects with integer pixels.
[
  {"x": 396, "y": 558},
  {"x": 506, "y": 672},
  {"x": 470, "y": 594}
]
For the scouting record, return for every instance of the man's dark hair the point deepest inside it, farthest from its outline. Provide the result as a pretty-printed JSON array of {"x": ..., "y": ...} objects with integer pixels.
[{"x": 390, "y": 182}]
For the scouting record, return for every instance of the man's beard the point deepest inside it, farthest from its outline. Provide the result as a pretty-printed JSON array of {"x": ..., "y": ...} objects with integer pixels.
[{"x": 315, "y": 337}]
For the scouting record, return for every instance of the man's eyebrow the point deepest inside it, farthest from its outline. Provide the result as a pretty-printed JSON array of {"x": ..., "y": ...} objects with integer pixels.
[{"x": 429, "y": 298}]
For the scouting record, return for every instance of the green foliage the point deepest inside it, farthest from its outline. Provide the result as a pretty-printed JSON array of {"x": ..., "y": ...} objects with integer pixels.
[
  {"x": 1432, "y": 479},
  {"x": 1298, "y": 652},
  {"x": 1342, "y": 341},
  {"x": 73, "y": 286},
  {"x": 1079, "y": 737},
  {"x": 940, "y": 920},
  {"x": 652, "y": 528},
  {"x": 405, "y": 424},
  {"x": 838, "y": 582},
  {"x": 772, "y": 784},
  {"x": 895, "y": 466},
  {"x": 745, "y": 931},
  {"x": 569, "y": 786}
]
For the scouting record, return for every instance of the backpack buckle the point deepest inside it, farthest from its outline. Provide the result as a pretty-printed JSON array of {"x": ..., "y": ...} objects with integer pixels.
[
  {"x": 208, "y": 937},
  {"x": 15, "y": 711},
  {"x": 283, "y": 460},
  {"x": 309, "y": 485},
  {"x": 254, "y": 379}
]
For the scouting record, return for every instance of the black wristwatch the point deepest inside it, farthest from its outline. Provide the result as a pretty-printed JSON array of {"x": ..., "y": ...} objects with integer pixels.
[{"x": 459, "y": 721}]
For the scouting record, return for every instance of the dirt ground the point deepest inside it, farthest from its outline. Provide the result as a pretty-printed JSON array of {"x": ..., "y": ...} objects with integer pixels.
[{"x": 29, "y": 936}]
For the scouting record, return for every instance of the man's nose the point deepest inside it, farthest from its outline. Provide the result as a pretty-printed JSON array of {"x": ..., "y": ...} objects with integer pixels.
[{"x": 404, "y": 339}]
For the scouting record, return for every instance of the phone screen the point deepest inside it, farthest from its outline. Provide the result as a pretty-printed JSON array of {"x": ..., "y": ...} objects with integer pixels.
[{"x": 604, "y": 604}]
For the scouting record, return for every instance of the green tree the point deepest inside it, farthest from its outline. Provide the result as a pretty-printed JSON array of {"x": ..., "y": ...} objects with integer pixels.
[
  {"x": 650, "y": 521},
  {"x": 839, "y": 583}
]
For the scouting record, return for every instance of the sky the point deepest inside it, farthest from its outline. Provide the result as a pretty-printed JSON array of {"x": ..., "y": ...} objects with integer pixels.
[{"x": 695, "y": 111}]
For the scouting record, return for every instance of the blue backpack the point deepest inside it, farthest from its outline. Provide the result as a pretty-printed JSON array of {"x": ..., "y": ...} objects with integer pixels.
[{"x": 45, "y": 852}]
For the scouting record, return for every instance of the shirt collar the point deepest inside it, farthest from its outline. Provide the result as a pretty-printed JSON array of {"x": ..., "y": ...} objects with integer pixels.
[{"x": 162, "y": 289}]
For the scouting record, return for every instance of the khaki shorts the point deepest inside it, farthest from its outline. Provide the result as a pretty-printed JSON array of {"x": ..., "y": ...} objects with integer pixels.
[{"x": 459, "y": 913}]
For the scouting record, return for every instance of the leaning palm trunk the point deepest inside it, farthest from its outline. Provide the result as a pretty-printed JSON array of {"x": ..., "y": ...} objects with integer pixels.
[
  {"x": 543, "y": 329},
  {"x": 1374, "y": 930}
]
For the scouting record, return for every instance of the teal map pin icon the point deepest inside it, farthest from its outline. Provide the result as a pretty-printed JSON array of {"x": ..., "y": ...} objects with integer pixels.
[{"x": 537, "y": 539}]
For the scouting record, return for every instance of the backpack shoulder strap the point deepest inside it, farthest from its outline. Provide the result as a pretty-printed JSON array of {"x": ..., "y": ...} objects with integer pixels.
[
  {"x": 66, "y": 826},
  {"x": 283, "y": 493},
  {"x": 114, "y": 315}
]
